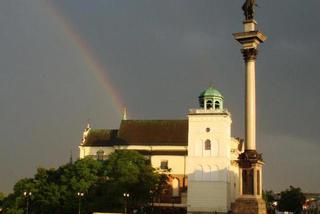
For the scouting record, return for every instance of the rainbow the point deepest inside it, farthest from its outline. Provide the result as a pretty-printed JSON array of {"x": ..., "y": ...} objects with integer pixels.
[{"x": 92, "y": 61}]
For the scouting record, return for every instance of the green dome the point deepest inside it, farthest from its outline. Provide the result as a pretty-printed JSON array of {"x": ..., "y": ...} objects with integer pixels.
[{"x": 211, "y": 92}]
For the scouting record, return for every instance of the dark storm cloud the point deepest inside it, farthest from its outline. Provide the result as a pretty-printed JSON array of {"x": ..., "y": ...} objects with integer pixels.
[{"x": 159, "y": 55}]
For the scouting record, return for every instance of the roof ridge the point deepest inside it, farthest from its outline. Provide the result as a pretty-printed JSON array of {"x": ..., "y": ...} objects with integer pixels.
[{"x": 148, "y": 120}]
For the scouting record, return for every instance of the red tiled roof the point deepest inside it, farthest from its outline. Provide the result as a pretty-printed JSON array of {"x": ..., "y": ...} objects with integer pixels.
[{"x": 142, "y": 132}]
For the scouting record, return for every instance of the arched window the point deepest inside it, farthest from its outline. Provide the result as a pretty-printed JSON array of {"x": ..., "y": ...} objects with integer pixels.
[
  {"x": 216, "y": 105},
  {"x": 207, "y": 145},
  {"x": 100, "y": 155},
  {"x": 209, "y": 104}
]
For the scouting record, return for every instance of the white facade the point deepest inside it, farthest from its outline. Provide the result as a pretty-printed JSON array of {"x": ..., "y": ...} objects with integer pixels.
[
  {"x": 176, "y": 163},
  {"x": 213, "y": 180}
]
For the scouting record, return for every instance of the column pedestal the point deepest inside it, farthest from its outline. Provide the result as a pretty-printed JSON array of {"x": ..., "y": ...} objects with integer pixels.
[
  {"x": 248, "y": 205},
  {"x": 250, "y": 200}
]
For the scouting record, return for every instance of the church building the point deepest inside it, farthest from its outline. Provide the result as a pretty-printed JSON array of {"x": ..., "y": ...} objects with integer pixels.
[{"x": 199, "y": 153}]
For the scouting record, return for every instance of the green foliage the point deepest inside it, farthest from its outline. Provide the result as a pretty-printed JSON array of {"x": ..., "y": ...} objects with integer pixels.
[
  {"x": 269, "y": 198},
  {"x": 1, "y": 196},
  {"x": 103, "y": 185},
  {"x": 130, "y": 172},
  {"x": 291, "y": 200},
  {"x": 15, "y": 202}
]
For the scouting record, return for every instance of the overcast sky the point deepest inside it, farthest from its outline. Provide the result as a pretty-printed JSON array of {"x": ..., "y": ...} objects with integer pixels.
[{"x": 157, "y": 57}]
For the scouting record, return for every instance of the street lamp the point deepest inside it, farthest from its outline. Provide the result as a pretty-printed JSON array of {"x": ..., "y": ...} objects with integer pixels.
[
  {"x": 172, "y": 200},
  {"x": 27, "y": 195},
  {"x": 80, "y": 195},
  {"x": 126, "y": 196},
  {"x": 274, "y": 205},
  {"x": 151, "y": 194}
]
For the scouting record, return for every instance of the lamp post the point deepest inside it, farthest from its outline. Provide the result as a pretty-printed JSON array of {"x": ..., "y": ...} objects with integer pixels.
[
  {"x": 151, "y": 194},
  {"x": 27, "y": 195},
  {"x": 172, "y": 200},
  {"x": 80, "y": 195},
  {"x": 126, "y": 197},
  {"x": 274, "y": 206}
]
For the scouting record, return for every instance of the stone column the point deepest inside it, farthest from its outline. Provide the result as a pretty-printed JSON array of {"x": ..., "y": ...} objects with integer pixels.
[
  {"x": 250, "y": 161},
  {"x": 249, "y": 56}
]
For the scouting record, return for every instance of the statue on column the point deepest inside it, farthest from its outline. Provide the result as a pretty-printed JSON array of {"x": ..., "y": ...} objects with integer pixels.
[{"x": 248, "y": 9}]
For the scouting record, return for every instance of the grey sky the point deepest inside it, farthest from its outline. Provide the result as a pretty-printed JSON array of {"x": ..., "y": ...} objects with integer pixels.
[{"x": 158, "y": 55}]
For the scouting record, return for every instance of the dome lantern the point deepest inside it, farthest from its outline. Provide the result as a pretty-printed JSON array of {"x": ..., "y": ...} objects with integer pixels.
[{"x": 211, "y": 99}]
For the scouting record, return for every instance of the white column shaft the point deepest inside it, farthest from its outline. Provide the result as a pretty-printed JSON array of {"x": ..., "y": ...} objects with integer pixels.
[{"x": 250, "y": 107}]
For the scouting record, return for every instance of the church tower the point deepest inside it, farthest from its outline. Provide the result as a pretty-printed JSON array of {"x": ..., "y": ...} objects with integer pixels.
[{"x": 208, "y": 161}]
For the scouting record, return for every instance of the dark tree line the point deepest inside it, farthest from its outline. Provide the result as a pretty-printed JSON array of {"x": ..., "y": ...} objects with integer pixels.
[
  {"x": 55, "y": 191},
  {"x": 291, "y": 200}
]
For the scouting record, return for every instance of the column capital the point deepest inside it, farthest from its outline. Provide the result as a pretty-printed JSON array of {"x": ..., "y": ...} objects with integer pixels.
[
  {"x": 249, "y": 158},
  {"x": 249, "y": 54}
]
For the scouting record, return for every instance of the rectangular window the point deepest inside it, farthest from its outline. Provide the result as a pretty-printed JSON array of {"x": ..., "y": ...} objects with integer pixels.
[
  {"x": 164, "y": 164},
  {"x": 100, "y": 154}
]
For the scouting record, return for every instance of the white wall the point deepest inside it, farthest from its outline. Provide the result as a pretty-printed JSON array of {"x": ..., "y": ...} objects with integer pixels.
[
  {"x": 176, "y": 163},
  {"x": 201, "y": 198},
  {"x": 92, "y": 151},
  {"x": 209, "y": 175}
]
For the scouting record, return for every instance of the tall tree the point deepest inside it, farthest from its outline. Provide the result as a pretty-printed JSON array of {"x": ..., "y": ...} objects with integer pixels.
[
  {"x": 1, "y": 198},
  {"x": 130, "y": 172},
  {"x": 269, "y": 197},
  {"x": 291, "y": 200},
  {"x": 102, "y": 183},
  {"x": 15, "y": 203},
  {"x": 80, "y": 177}
]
